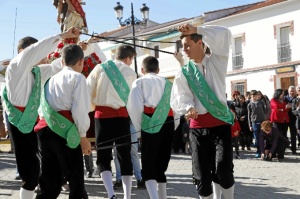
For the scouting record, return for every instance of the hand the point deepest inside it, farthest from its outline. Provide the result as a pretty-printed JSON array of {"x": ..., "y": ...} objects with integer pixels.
[
  {"x": 262, "y": 156},
  {"x": 251, "y": 129},
  {"x": 179, "y": 57},
  {"x": 58, "y": 19},
  {"x": 85, "y": 146},
  {"x": 93, "y": 39},
  {"x": 242, "y": 118},
  {"x": 289, "y": 105},
  {"x": 187, "y": 29},
  {"x": 70, "y": 33},
  {"x": 83, "y": 45},
  {"x": 192, "y": 113}
]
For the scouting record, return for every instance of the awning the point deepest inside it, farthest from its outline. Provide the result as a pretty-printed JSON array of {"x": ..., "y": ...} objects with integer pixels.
[{"x": 165, "y": 36}]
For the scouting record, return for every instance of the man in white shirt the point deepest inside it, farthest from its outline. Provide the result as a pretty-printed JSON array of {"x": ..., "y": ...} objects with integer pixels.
[
  {"x": 150, "y": 98},
  {"x": 20, "y": 81},
  {"x": 109, "y": 85},
  {"x": 66, "y": 93},
  {"x": 199, "y": 92}
]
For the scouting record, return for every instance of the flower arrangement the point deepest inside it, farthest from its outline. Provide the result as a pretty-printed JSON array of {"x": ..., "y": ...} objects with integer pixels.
[
  {"x": 89, "y": 64},
  {"x": 56, "y": 54}
]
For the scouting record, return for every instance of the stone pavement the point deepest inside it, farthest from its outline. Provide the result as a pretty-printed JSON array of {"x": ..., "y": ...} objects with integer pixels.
[{"x": 255, "y": 179}]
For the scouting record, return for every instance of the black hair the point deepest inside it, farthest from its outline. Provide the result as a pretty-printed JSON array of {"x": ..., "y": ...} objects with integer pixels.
[
  {"x": 277, "y": 93},
  {"x": 25, "y": 42},
  {"x": 71, "y": 54},
  {"x": 125, "y": 51},
  {"x": 195, "y": 38},
  {"x": 150, "y": 64}
]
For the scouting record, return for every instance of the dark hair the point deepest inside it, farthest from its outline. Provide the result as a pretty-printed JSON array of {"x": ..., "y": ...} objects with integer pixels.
[
  {"x": 235, "y": 93},
  {"x": 25, "y": 42},
  {"x": 242, "y": 96},
  {"x": 277, "y": 93},
  {"x": 195, "y": 38},
  {"x": 253, "y": 92},
  {"x": 71, "y": 54},
  {"x": 150, "y": 64},
  {"x": 125, "y": 51}
]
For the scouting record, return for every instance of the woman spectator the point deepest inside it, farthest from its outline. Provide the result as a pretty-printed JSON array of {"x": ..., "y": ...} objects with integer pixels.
[
  {"x": 271, "y": 142},
  {"x": 267, "y": 103},
  {"x": 242, "y": 116},
  {"x": 279, "y": 112}
]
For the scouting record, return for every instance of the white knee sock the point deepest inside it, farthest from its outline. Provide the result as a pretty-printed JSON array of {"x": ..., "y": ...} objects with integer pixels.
[
  {"x": 211, "y": 196},
  {"x": 162, "y": 190},
  {"x": 217, "y": 190},
  {"x": 107, "y": 181},
  {"x": 26, "y": 194},
  {"x": 127, "y": 184},
  {"x": 152, "y": 189},
  {"x": 228, "y": 193}
]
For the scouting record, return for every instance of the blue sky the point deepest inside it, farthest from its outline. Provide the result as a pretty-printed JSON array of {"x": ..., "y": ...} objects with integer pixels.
[{"x": 37, "y": 18}]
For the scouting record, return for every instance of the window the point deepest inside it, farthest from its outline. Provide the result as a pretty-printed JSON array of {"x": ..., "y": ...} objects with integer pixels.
[
  {"x": 237, "y": 57},
  {"x": 156, "y": 51},
  {"x": 178, "y": 45},
  {"x": 284, "y": 47},
  {"x": 239, "y": 85}
]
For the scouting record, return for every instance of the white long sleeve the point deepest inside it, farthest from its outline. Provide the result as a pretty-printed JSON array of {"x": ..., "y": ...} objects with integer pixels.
[
  {"x": 95, "y": 48},
  {"x": 101, "y": 89},
  {"x": 146, "y": 91},
  {"x": 182, "y": 97},
  {"x": 19, "y": 78},
  {"x": 67, "y": 90}
]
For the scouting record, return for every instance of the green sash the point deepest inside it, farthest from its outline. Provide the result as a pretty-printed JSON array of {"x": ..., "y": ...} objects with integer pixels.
[
  {"x": 117, "y": 80},
  {"x": 154, "y": 124},
  {"x": 204, "y": 93},
  {"x": 26, "y": 120},
  {"x": 60, "y": 125}
]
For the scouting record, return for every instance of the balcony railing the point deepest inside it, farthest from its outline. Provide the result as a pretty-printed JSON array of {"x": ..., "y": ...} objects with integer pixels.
[
  {"x": 237, "y": 61},
  {"x": 284, "y": 52}
]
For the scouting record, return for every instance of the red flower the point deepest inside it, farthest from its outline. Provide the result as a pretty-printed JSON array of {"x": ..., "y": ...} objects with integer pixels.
[
  {"x": 56, "y": 54},
  {"x": 60, "y": 45}
]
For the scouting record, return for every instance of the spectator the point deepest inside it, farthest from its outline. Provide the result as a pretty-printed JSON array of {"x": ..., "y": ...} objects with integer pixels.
[{"x": 271, "y": 142}]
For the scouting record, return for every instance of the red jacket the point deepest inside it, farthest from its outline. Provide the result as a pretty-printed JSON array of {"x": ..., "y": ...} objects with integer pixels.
[{"x": 279, "y": 113}]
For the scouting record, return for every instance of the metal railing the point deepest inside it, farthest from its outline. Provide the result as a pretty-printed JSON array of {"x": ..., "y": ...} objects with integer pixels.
[
  {"x": 284, "y": 52},
  {"x": 237, "y": 61}
]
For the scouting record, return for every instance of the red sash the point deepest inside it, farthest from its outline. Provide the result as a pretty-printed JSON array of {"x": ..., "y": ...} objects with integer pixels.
[
  {"x": 42, "y": 123},
  {"x": 150, "y": 110},
  {"x": 108, "y": 112},
  {"x": 205, "y": 121},
  {"x": 79, "y": 10}
]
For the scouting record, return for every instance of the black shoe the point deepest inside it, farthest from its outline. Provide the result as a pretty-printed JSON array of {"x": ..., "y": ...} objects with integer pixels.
[
  {"x": 248, "y": 148},
  {"x": 89, "y": 174},
  {"x": 17, "y": 177},
  {"x": 243, "y": 148},
  {"x": 141, "y": 184},
  {"x": 237, "y": 157},
  {"x": 113, "y": 197},
  {"x": 294, "y": 152},
  {"x": 118, "y": 184}
]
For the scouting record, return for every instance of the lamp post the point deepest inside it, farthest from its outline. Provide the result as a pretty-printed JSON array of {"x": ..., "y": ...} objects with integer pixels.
[{"x": 133, "y": 21}]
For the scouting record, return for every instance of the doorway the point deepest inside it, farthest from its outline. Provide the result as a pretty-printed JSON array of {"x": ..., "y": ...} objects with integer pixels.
[{"x": 285, "y": 82}]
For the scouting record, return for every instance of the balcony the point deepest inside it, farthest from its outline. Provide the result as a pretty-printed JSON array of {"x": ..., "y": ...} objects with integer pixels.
[
  {"x": 284, "y": 52},
  {"x": 237, "y": 61}
]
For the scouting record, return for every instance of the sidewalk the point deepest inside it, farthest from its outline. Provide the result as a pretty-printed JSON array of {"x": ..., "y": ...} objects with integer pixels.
[{"x": 255, "y": 179}]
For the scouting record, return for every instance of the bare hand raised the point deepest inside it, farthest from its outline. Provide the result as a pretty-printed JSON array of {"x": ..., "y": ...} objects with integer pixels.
[
  {"x": 70, "y": 33},
  {"x": 187, "y": 29}
]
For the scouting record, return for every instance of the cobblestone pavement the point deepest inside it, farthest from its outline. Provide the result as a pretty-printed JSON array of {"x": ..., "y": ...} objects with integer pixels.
[{"x": 255, "y": 179}]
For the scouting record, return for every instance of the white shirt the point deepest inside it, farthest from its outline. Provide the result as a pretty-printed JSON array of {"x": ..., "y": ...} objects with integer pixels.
[
  {"x": 19, "y": 78},
  {"x": 67, "y": 90},
  {"x": 101, "y": 89},
  {"x": 146, "y": 91},
  {"x": 218, "y": 39}
]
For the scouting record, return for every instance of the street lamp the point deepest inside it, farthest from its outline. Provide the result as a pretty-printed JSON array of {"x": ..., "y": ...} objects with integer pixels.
[{"x": 133, "y": 21}]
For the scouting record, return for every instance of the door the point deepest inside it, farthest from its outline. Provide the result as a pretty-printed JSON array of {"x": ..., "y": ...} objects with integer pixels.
[{"x": 285, "y": 82}]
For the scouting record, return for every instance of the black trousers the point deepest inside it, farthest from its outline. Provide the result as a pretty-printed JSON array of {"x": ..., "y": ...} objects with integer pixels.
[
  {"x": 156, "y": 152},
  {"x": 109, "y": 131},
  {"x": 27, "y": 157},
  {"x": 58, "y": 161},
  {"x": 293, "y": 133},
  {"x": 212, "y": 158}
]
